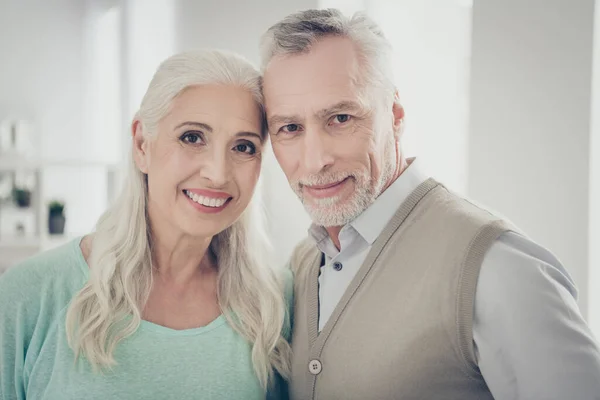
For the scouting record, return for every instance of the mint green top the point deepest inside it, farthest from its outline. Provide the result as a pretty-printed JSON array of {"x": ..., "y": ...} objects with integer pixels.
[{"x": 211, "y": 362}]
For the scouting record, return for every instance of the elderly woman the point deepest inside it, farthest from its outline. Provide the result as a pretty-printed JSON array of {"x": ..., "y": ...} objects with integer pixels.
[{"x": 171, "y": 296}]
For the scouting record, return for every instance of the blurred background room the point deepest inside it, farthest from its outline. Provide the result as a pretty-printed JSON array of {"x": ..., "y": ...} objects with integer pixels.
[{"x": 502, "y": 99}]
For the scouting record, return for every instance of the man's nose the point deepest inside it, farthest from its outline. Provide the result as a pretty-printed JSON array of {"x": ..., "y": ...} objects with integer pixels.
[{"x": 318, "y": 154}]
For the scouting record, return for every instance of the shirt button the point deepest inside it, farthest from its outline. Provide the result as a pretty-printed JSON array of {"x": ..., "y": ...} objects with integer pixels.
[
  {"x": 315, "y": 367},
  {"x": 337, "y": 266}
]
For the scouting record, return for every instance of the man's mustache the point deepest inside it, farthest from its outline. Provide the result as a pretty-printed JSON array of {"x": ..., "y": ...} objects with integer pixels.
[{"x": 323, "y": 179}]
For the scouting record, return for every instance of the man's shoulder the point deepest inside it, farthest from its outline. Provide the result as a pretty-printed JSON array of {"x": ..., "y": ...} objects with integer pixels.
[{"x": 450, "y": 207}]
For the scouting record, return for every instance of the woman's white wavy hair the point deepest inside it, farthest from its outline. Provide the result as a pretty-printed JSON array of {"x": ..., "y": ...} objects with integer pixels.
[{"x": 250, "y": 292}]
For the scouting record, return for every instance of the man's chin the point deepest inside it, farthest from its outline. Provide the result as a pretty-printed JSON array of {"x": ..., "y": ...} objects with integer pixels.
[
  {"x": 339, "y": 213},
  {"x": 330, "y": 216}
]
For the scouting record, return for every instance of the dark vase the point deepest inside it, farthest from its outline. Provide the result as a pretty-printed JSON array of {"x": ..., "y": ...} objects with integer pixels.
[
  {"x": 24, "y": 199},
  {"x": 56, "y": 224}
]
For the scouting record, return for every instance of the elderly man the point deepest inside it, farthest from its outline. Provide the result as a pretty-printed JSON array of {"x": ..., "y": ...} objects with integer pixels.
[{"x": 403, "y": 289}]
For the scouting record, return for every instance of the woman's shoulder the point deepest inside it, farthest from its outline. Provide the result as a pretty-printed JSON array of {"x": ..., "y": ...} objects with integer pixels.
[
  {"x": 58, "y": 272},
  {"x": 32, "y": 297}
]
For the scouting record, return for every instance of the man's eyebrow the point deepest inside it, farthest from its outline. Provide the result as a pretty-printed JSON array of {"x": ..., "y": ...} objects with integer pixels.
[
  {"x": 342, "y": 106},
  {"x": 283, "y": 119},
  {"x": 202, "y": 125},
  {"x": 338, "y": 108}
]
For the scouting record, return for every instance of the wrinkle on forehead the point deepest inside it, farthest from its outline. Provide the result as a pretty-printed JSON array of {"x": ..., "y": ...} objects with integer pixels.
[{"x": 328, "y": 73}]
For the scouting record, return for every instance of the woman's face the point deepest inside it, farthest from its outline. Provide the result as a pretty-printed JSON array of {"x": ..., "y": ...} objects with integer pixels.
[{"x": 204, "y": 161}]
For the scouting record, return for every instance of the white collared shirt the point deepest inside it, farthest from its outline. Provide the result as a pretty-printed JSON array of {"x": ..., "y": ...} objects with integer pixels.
[{"x": 530, "y": 339}]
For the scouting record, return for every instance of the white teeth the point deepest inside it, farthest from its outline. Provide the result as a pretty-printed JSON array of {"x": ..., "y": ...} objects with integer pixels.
[{"x": 205, "y": 201}]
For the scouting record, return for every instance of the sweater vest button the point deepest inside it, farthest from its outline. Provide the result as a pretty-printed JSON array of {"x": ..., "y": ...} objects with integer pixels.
[{"x": 315, "y": 367}]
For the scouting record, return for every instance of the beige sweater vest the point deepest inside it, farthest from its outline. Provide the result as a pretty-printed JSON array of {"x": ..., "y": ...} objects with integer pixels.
[{"x": 403, "y": 329}]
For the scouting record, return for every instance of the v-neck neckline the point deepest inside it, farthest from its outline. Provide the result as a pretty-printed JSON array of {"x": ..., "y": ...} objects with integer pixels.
[{"x": 317, "y": 340}]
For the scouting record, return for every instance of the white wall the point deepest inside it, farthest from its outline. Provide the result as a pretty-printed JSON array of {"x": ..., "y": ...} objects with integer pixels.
[
  {"x": 102, "y": 56},
  {"x": 149, "y": 38},
  {"x": 594, "y": 181},
  {"x": 237, "y": 26},
  {"x": 230, "y": 24},
  {"x": 41, "y": 47},
  {"x": 431, "y": 41},
  {"x": 530, "y": 121},
  {"x": 42, "y": 79}
]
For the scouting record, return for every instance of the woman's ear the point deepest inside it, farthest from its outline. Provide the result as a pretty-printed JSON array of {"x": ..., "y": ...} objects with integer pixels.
[
  {"x": 140, "y": 146},
  {"x": 398, "y": 112}
]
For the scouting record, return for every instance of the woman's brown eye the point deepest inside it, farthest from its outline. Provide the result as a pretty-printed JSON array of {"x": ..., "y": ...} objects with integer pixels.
[
  {"x": 191, "y": 138},
  {"x": 246, "y": 148}
]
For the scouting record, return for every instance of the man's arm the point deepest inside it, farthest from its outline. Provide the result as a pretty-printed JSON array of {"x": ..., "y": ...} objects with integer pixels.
[{"x": 531, "y": 341}]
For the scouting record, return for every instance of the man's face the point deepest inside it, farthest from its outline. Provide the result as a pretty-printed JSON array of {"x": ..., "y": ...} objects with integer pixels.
[{"x": 337, "y": 150}]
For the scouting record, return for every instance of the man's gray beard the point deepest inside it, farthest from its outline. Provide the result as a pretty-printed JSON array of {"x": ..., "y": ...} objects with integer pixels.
[
  {"x": 362, "y": 198},
  {"x": 340, "y": 214}
]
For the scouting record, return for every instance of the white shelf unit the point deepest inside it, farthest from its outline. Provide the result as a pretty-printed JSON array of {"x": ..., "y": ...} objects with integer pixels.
[{"x": 16, "y": 247}]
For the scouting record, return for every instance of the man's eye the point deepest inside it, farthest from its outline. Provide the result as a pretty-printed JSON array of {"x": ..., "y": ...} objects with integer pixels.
[
  {"x": 341, "y": 118},
  {"x": 290, "y": 128},
  {"x": 191, "y": 138}
]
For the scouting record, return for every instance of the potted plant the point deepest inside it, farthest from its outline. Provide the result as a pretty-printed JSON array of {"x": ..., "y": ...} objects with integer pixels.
[
  {"x": 22, "y": 197},
  {"x": 56, "y": 217}
]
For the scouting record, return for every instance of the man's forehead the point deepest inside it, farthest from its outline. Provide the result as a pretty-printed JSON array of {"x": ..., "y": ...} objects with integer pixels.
[
  {"x": 311, "y": 81},
  {"x": 331, "y": 60}
]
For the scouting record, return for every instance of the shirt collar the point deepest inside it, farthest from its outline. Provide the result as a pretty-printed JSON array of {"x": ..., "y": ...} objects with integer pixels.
[{"x": 373, "y": 220}]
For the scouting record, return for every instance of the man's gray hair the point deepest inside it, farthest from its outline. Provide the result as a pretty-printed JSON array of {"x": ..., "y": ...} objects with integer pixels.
[{"x": 296, "y": 33}]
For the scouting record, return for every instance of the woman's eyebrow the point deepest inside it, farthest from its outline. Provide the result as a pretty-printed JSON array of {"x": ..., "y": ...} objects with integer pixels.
[{"x": 202, "y": 125}]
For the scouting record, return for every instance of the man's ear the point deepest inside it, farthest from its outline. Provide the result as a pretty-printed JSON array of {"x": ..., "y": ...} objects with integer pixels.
[
  {"x": 398, "y": 112},
  {"x": 140, "y": 146}
]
